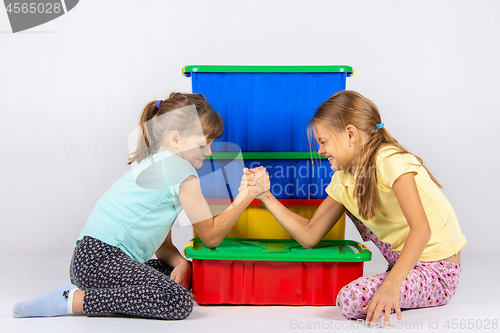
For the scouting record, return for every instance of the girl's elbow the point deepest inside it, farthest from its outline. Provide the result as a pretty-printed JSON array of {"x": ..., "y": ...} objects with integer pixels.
[
  {"x": 426, "y": 233},
  {"x": 210, "y": 242},
  {"x": 309, "y": 244},
  {"x": 309, "y": 240}
]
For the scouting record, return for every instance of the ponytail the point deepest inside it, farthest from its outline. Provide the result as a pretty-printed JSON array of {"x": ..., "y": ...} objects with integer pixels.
[{"x": 145, "y": 142}]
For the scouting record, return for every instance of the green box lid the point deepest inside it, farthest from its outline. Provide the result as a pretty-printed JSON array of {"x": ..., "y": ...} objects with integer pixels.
[
  {"x": 278, "y": 250},
  {"x": 187, "y": 70},
  {"x": 290, "y": 155}
]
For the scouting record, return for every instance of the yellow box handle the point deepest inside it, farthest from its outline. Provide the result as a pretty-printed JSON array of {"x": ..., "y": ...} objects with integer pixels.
[
  {"x": 188, "y": 244},
  {"x": 184, "y": 74},
  {"x": 364, "y": 248}
]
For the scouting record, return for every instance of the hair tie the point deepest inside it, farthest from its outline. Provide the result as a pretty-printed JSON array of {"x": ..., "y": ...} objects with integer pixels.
[
  {"x": 379, "y": 126},
  {"x": 158, "y": 103}
]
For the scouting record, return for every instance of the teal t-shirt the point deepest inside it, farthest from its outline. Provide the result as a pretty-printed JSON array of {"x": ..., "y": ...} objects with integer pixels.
[{"x": 138, "y": 210}]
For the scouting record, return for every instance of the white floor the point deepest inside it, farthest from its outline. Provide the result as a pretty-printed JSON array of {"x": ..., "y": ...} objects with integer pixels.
[{"x": 27, "y": 275}]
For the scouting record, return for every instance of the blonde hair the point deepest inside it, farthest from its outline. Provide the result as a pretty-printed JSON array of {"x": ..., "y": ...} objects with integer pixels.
[
  {"x": 351, "y": 108},
  {"x": 152, "y": 134}
]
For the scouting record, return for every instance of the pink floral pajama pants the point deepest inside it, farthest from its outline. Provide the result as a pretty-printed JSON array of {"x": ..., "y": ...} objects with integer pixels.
[{"x": 429, "y": 284}]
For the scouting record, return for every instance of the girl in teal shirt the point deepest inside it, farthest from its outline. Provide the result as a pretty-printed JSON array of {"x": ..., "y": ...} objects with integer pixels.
[{"x": 111, "y": 270}]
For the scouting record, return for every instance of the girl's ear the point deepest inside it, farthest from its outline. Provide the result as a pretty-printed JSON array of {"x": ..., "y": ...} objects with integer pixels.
[
  {"x": 352, "y": 132},
  {"x": 173, "y": 139}
]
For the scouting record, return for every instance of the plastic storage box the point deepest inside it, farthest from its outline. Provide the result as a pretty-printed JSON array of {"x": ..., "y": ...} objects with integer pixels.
[
  {"x": 267, "y": 108},
  {"x": 273, "y": 272},
  {"x": 257, "y": 222},
  {"x": 293, "y": 175}
]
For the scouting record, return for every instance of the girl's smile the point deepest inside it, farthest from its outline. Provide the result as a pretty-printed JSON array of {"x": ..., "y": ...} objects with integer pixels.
[{"x": 333, "y": 150}]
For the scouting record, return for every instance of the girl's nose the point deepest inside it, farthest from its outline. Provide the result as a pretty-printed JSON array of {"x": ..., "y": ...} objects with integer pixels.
[{"x": 209, "y": 151}]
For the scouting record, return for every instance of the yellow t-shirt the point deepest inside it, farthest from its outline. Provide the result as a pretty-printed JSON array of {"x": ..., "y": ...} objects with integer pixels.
[{"x": 390, "y": 225}]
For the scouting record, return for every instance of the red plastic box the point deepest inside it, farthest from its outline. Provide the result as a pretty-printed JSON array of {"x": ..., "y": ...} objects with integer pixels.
[{"x": 274, "y": 272}]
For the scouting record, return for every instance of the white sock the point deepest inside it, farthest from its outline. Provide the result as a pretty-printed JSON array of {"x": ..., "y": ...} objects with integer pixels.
[{"x": 70, "y": 300}]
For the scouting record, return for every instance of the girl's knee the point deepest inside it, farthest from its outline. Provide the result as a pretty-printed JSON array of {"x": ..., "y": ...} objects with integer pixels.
[
  {"x": 186, "y": 305},
  {"x": 177, "y": 305},
  {"x": 349, "y": 304}
]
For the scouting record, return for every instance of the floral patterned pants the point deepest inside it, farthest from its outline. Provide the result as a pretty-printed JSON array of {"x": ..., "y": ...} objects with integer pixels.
[
  {"x": 428, "y": 284},
  {"x": 114, "y": 283}
]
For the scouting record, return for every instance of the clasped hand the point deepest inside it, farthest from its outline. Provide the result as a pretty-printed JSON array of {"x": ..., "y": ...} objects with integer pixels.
[{"x": 255, "y": 180}]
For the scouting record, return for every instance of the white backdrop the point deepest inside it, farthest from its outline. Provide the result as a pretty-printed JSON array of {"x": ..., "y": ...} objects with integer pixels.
[{"x": 71, "y": 91}]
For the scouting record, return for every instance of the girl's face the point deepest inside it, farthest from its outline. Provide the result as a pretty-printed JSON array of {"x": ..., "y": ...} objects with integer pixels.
[
  {"x": 194, "y": 149},
  {"x": 335, "y": 147}
]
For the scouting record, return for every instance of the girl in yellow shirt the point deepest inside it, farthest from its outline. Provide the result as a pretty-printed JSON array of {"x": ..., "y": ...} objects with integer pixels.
[{"x": 393, "y": 201}]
